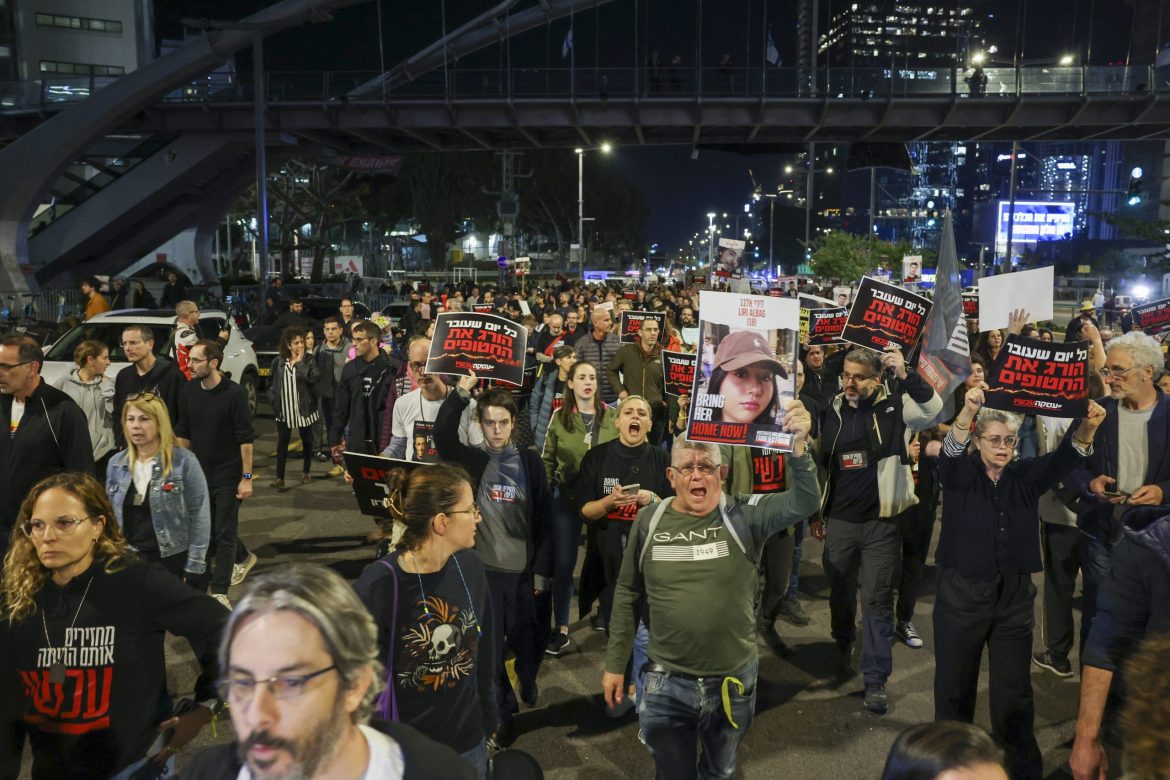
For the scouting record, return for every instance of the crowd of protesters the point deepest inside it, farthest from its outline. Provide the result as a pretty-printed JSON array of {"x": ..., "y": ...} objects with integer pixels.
[{"x": 120, "y": 524}]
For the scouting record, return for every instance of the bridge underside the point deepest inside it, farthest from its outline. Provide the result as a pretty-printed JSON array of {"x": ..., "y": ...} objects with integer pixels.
[{"x": 420, "y": 125}]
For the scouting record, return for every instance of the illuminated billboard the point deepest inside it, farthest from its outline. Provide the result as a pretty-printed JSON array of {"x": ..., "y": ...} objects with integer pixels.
[{"x": 1034, "y": 221}]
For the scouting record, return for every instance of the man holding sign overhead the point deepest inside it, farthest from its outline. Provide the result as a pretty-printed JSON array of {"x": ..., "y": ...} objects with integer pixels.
[{"x": 865, "y": 434}]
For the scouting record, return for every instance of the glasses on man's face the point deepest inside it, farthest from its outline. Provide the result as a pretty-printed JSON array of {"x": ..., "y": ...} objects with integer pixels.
[
  {"x": 419, "y": 366},
  {"x": 357, "y": 339},
  {"x": 10, "y": 366},
  {"x": 1008, "y": 441},
  {"x": 706, "y": 469},
  {"x": 846, "y": 378},
  {"x": 1110, "y": 371},
  {"x": 147, "y": 396},
  {"x": 63, "y": 526},
  {"x": 239, "y": 688}
]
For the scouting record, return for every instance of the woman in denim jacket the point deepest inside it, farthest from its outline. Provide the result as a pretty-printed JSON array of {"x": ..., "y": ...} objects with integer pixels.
[{"x": 159, "y": 492}]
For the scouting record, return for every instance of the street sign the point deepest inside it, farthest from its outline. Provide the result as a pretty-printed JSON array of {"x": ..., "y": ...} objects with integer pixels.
[
  {"x": 502, "y": 262},
  {"x": 456, "y": 255}
]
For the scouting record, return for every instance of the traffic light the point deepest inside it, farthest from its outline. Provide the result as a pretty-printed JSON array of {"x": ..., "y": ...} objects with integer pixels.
[{"x": 1134, "y": 195}]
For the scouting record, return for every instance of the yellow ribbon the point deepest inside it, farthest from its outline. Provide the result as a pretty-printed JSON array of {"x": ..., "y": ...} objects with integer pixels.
[{"x": 727, "y": 681}]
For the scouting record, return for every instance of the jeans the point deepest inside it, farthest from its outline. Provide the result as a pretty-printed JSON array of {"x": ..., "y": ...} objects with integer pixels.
[
  {"x": 1095, "y": 557},
  {"x": 641, "y": 645},
  {"x": 283, "y": 435},
  {"x": 865, "y": 555},
  {"x": 679, "y": 714},
  {"x": 567, "y": 537},
  {"x": 797, "y": 554},
  {"x": 478, "y": 758}
]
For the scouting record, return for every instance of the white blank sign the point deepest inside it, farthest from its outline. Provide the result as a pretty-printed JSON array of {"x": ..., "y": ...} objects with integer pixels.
[{"x": 1027, "y": 290}]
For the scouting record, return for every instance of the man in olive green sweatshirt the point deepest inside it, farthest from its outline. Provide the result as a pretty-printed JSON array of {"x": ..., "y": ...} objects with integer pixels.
[
  {"x": 636, "y": 369},
  {"x": 694, "y": 560}
]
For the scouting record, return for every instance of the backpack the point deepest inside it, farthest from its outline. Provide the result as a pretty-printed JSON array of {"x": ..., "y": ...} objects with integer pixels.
[
  {"x": 733, "y": 520},
  {"x": 387, "y": 702}
]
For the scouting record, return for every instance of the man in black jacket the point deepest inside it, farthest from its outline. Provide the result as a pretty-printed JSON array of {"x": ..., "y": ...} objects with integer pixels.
[
  {"x": 47, "y": 431},
  {"x": 302, "y": 641},
  {"x": 360, "y": 398},
  {"x": 148, "y": 373},
  {"x": 511, "y": 490}
]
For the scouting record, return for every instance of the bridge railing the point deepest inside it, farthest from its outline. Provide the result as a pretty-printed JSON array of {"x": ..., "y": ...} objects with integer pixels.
[{"x": 665, "y": 82}]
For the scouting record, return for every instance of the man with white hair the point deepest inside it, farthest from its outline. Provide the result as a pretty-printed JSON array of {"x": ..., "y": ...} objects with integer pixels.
[
  {"x": 694, "y": 559},
  {"x": 299, "y": 658},
  {"x": 1129, "y": 467}
]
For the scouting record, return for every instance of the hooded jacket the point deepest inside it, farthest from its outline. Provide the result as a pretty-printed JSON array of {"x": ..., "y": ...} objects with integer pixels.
[
  {"x": 893, "y": 419},
  {"x": 360, "y": 403},
  {"x": 52, "y": 437},
  {"x": 96, "y": 400}
]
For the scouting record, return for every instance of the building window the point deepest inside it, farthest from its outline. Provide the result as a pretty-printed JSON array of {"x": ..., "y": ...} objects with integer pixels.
[
  {"x": 80, "y": 69},
  {"x": 79, "y": 23}
]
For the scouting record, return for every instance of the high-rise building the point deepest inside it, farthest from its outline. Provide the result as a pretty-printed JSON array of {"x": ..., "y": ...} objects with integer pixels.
[
  {"x": 900, "y": 33},
  {"x": 64, "y": 38}
]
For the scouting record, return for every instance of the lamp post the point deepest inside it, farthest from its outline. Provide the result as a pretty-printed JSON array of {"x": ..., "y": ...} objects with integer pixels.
[
  {"x": 605, "y": 148},
  {"x": 711, "y": 237}
]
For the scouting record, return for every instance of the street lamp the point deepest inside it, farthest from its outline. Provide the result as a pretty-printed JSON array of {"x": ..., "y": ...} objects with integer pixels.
[
  {"x": 605, "y": 148},
  {"x": 711, "y": 232}
]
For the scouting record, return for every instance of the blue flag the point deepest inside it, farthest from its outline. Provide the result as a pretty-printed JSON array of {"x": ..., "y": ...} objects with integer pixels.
[{"x": 945, "y": 359}]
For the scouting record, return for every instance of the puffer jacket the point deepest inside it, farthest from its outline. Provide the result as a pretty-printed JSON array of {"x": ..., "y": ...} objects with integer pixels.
[
  {"x": 96, "y": 400},
  {"x": 180, "y": 507},
  {"x": 540, "y": 404}
]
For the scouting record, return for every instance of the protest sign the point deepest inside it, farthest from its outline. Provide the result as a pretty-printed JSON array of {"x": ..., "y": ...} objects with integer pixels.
[
  {"x": 1031, "y": 376},
  {"x": 842, "y": 296},
  {"x": 632, "y": 324},
  {"x": 369, "y": 481},
  {"x": 487, "y": 344},
  {"x": 1152, "y": 317},
  {"x": 971, "y": 305},
  {"x": 1000, "y": 295},
  {"x": 483, "y": 308},
  {"x": 678, "y": 372},
  {"x": 746, "y": 371},
  {"x": 825, "y": 325},
  {"x": 883, "y": 314},
  {"x": 911, "y": 269}
]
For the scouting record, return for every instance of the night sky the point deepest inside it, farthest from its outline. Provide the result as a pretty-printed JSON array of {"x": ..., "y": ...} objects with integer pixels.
[{"x": 679, "y": 190}]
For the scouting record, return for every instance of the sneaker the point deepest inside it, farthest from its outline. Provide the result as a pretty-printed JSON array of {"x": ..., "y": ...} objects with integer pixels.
[
  {"x": 641, "y": 737},
  {"x": 908, "y": 634},
  {"x": 240, "y": 570},
  {"x": 767, "y": 632},
  {"x": 1053, "y": 663},
  {"x": 558, "y": 643},
  {"x": 876, "y": 700},
  {"x": 596, "y": 623},
  {"x": 627, "y": 704},
  {"x": 792, "y": 611},
  {"x": 277, "y": 483},
  {"x": 322, "y": 456},
  {"x": 845, "y": 658},
  {"x": 306, "y": 479},
  {"x": 222, "y": 599},
  {"x": 337, "y": 470}
]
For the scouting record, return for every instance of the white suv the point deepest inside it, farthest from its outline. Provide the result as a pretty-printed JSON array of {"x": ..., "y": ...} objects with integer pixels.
[{"x": 239, "y": 358}]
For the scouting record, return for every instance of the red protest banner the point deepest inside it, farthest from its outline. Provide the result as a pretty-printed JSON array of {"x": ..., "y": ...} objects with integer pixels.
[
  {"x": 1031, "y": 376},
  {"x": 883, "y": 314}
]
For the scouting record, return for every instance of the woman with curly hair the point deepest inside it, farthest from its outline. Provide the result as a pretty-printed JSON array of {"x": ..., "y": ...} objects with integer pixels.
[
  {"x": 429, "y": 599},
  {"x": 82, "y": 622}
]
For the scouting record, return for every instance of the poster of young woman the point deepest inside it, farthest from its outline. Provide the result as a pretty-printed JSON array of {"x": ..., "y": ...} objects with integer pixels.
[{"x": 746, "y": 370}]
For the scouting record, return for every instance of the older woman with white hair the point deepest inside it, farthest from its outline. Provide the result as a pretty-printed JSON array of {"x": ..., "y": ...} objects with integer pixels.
[{"x": 987, "y": 552}]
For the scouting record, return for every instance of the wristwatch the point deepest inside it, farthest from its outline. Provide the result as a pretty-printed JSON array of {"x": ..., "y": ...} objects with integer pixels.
[{"x": 247, "y": 475}]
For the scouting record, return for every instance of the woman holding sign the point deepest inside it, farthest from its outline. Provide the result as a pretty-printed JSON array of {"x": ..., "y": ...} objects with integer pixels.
[
  {"x": 987, "y": 552},
  {"x": 617, "y": 479}
]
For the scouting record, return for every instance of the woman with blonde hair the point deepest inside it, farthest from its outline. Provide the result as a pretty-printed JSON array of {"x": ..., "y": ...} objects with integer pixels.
[
  {"x": 159, "y": 493},
  {"x": 82, "y": 623}
]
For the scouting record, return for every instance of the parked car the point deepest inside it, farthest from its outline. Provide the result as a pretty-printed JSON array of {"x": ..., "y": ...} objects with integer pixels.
[
  {"x": 266, "y": 337},
  {"x": 239, "y": 357}
]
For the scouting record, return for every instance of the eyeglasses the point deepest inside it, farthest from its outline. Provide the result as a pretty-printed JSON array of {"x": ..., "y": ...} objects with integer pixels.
[
  {"x": 1001, "y": 441},
  {"x": 10, "y": 366},
  {"x": 419, "y": 366},
  {"x": 846, "y": 377},
  {"x": 147, "y": 396},
  {"x": 240, "y": 689},
  {"x": 473, "y": 511},
  {"x": 706, "y": 469},
  {"x": 1108, "y": 372},
  {"x": 64, "y": 526}
]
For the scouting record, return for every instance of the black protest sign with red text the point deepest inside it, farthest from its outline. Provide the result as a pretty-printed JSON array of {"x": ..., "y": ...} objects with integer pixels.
[
  {"x": 883, "y": 314},
  {"x": 678, "y": 372},
  {"x": 632, "y": 324},
  {"x": 1031, "y": 376},
  {"x": 1152, "y": 317},
  {"x": 489, "y": 345}
]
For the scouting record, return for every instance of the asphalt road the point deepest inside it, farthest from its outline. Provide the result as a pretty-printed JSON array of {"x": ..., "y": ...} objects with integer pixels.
[{"x": 804, "y": 727}]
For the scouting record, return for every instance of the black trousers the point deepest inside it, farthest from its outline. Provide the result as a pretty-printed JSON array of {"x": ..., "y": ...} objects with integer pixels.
[
  {"x": 970, "y": 614},
  {"x": 1062, "y": 560},
  {"x": 777, "y": 565},
  {"x": 283, "y": 435},
  {"x": 514, "y": 628},
  {"x": 916, "y": 525},
  {"x": 225, "y": 523}
]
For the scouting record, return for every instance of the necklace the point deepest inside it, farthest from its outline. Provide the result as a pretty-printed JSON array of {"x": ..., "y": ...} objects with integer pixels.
[
  {"x": 466, "y": 590},
  {"x": 57, "y": 667}
]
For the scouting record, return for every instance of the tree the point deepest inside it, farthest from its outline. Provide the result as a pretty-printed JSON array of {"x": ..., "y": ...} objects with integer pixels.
[{"x": 445, "y": 189}]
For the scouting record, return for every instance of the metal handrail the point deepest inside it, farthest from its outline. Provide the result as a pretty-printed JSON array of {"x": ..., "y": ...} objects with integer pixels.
[{"x": 620, "y": 83}]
